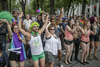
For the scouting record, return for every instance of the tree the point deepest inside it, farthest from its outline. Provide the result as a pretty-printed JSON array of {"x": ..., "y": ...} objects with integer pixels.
[
  {"x": 83, "y": 7},
  {"x": 10, "y": 5},
  {"x": 4, "y": 5},
  {"x": 51, "y": 7},
  {"x": 23, "y": 3}
]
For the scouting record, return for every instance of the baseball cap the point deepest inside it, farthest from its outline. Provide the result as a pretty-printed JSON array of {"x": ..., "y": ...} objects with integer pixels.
[{"x": 65, "y": 18}]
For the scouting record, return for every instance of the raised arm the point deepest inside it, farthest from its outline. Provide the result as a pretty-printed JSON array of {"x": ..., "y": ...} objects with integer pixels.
[
  {"x": 47, "y": 32},
  {"x": 83, "y": 32},
  {"x": 9, "y": 30},
  {"x": 20, "y": 28},
  {"x": 8, "y": 27},
  {"x": 43, "y": 17},
  {"x": 58, "y": 21},
  {"x": 70, "y": 30},
  {"x": 44, "y": 26}
]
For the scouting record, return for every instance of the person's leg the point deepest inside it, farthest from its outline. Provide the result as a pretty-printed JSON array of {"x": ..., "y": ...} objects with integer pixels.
[
  {"x": 90, "y": 50},
  {"x": 51, "y": 64},
  {"x": 83, "y": 47},
  {"x": 73, "y": 50},
  {"x": 87, "y": 50},
  {"x": 95, "y": 50},
  {"x": 36, "y": 63},
  {"x": 47, "y": 64},
  {"x": 70, "y": 53},
  {"x": 29, "y": 55},
  {"x": 67, "y": 47},
  {"x": 13, "y": 63},
  {"x": 42, "y": 62},
  {"x": 59, "y": 50},
  {"x": 21, "y": 64},
  {"x": 60, "y": 55},
  {"x": 77, "y": 49}
]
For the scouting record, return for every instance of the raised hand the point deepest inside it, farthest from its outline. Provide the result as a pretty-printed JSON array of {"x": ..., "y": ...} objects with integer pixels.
[
  {"x": 20, "y": 15},
  {"x": 79, "y": 28},
  {"x": 62, "y": 9}
]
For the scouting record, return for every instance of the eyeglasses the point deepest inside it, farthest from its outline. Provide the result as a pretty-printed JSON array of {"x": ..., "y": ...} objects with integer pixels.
[
  {"x": 52, "y": 29},
  {"x": 35, "y": 26}
]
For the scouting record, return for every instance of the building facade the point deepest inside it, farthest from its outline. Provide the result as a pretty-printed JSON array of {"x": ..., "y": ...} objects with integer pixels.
[{"x": 90, "y": 10}]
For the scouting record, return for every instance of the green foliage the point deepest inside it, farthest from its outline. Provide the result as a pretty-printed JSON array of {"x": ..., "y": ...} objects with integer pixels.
[{"x": 46, "y": 5}]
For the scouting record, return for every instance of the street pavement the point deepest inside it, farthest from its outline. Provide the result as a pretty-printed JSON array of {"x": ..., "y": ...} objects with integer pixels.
[{"x": 93, "y": 63}]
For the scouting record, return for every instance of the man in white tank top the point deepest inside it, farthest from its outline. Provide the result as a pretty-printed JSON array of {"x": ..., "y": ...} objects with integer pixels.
[{"x": 35, "y": 41}]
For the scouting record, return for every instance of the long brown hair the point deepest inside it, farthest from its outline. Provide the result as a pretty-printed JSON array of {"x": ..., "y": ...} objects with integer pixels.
[{"x": 85, "y": 24}]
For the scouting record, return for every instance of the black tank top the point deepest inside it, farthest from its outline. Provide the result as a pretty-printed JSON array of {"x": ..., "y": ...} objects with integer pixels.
[{"x": 97, "y": 30}]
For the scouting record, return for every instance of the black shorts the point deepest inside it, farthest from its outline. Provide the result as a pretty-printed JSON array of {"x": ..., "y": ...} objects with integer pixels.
[
  {"x": 84, "y": 42},
  {"x": 14, "y": 57},
  {"x": 94, "y": 38},
  {"x": 68, "y": 42}
]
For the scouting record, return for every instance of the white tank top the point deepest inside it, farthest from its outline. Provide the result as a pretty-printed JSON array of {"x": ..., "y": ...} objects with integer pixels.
[
  {"x": 51, "y": 45},
  {"x": 36, "y": 45}
]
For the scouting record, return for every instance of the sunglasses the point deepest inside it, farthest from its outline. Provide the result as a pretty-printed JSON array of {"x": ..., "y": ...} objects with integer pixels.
[
  {"x": 35, "y": 26},
  {"x": 15, "y": 28},
  {"x": 52, "y": 29}
]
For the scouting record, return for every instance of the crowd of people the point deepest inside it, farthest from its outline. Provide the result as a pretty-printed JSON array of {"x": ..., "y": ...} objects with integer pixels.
[{"x": 44, "y": 37}]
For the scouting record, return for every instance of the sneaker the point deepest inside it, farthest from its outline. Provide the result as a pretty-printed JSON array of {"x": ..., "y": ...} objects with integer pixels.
[{"x": 60, "y": 65}]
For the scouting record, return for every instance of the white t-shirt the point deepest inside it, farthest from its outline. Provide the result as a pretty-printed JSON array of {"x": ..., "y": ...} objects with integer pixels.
[
  {"x": 36, "y": 45},
  {"x": 33, "y": 18},
  {"x": 27, "y": 24},
  {"x": 51, "y": 45}
]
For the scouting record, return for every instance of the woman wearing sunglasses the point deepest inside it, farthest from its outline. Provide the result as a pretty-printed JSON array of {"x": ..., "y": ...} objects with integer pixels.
[
  {"x": 35, "y": 42},
  {"x": 50, "y": 45}
]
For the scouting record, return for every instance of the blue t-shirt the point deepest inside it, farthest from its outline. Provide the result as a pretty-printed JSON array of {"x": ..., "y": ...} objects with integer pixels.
[
  {"x": 64, "y": 25},
  {"x": 4, "y": 57}
]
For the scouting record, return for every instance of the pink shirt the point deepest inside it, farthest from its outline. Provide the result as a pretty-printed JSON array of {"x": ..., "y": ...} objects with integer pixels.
[
  {"x": 68, "y": 35},
  {"x": 86, "y": 38}
]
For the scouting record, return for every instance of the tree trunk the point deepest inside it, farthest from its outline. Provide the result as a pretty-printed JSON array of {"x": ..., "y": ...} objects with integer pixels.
[
  {"x": 70, "y": 13},
  {"x": 83, "y": 7},
  {"x": 51, "y": 7},
  {"x": 42, "y": 3},
  {"x": 10, "y": 5},
  {"x": 38, "y": 4},
  {"x": 4, "y": 5},
  {"x": 99, "y": 8},
  {"x": 23, "y": 6},
  {"x": 69, "y": 6}
]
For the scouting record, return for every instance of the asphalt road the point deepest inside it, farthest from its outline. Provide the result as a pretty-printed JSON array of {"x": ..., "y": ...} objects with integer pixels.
[{"x": 93, "y": 63}]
